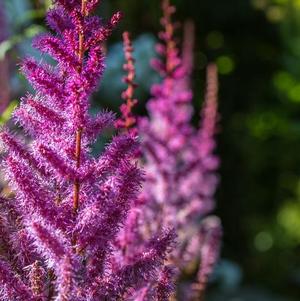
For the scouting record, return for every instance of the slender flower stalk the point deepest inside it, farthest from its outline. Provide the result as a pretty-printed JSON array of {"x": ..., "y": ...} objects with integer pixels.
[
  {"x": 81, "y": 51},
  {"x": 188, "y": 48},
  {"x": 128, "y": 120},
  {"x": 210, "y": 238}
]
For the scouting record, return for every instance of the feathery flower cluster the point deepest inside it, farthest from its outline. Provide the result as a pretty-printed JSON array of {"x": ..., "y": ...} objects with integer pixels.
[
  {"x": 179, "y": 161},
  {"x": 59, "y": 233}
]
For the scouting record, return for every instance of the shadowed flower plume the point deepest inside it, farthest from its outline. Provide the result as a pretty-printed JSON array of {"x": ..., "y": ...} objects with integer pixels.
[{"x": 180, "y": 164}]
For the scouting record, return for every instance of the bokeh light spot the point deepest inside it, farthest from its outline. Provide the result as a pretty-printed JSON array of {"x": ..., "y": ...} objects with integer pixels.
[
  {"x": 289, "y": 219},
  {"x": 263, "y": 241},
  {"x": 294, "y": 93},
  {"x": 283, "y": 81},
  {"x": 260, "y": 4},
  {"x": 225, "y": 64},
  {"x": 275, "y": 13},
  {"x": 215, "y": 40}
]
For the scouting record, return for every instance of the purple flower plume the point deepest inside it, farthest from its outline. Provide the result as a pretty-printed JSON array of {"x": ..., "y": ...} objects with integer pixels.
[
  {"x": 12, "y": 287},
  {"x": 180, "y": 165},
  {"x": 210, "y": 238},
  {"x": 60, "y": 230}
]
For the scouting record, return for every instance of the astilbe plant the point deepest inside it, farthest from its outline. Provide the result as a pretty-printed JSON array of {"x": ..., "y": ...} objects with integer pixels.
[
  {"x": 59, "y": 233},
  {"x": 130, "y": 241},
  {"x": 180, "y": 163}
]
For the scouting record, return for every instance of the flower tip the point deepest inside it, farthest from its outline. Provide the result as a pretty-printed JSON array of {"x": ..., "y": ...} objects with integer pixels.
[{"x": 116, "y": 18}]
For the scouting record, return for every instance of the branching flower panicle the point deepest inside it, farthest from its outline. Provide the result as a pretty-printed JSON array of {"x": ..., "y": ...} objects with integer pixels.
[
  {"x": 60, "y": 229},
  {"x": 180, "y": 163}
]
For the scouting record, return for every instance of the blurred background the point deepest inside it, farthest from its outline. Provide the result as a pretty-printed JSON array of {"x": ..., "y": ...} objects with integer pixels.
[{"x": 256, "y": 45}]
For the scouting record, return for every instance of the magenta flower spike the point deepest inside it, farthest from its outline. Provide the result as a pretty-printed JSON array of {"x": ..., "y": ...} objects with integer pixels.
[
  {"x": 128, "y": 121},
  {"x": 180, "y": 164},
  {"x": 60, "y": 229}
]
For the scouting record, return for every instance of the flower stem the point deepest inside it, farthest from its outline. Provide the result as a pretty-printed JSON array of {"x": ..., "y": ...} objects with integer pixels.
[
  {"x": 77, "y": 156},
  {"x": 81, "y": 51},
  {"x": 169, "y": 33}
]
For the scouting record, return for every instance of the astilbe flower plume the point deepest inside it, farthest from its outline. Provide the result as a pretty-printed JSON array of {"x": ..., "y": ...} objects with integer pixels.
[
  {"x": 179, "y": 161},
  {"x": 59, "y": 232}
]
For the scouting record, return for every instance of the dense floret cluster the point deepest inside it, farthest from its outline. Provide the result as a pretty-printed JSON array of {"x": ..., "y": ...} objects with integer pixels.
[{"x": 58, "y": 233}]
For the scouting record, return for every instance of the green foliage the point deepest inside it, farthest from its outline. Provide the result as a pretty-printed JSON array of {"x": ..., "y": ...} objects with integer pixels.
[
  {"x": 15, "y": 40},
  {"x": 6, "y": 115}
]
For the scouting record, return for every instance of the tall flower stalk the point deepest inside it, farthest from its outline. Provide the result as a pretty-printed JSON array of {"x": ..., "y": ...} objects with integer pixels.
[
  {"x": 128, "y": 120},
  {"x": 179, "y": 160},
  {"x": 59, "y": 233}
]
